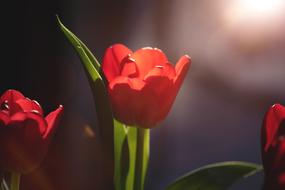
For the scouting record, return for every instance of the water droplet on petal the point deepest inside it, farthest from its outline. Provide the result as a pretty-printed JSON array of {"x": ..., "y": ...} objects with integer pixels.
[
  {"x": 132, "y": 59},
  {"x": 4, "y": 105},
  {"x": 35, "y": 112},
  {"x": 159, "y": 66},
  {"x": 157, "y": 49},
  {"x": 36, "y": 102},
  {"x": 148, "y": 48}
]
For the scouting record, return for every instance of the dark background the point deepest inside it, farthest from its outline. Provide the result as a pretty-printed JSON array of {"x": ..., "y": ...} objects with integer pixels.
[{"x": 238, "y": 71}]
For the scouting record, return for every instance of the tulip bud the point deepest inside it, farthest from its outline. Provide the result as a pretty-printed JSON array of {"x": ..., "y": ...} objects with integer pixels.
[{"x": 273, "y": 148}]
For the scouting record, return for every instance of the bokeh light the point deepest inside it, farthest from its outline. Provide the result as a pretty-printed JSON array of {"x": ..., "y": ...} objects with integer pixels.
[
  {"x": 255, "y": 10},
  {"x": 255, "y": 21}
]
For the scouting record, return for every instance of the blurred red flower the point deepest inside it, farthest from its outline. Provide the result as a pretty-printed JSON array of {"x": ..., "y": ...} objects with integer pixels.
[
  {"x": 142, "y": 84},
  {"x": 273, "y": 148},
  {"x": 25, "y": 133}
]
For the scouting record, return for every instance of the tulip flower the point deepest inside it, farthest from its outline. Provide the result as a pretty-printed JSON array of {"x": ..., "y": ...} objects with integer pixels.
[
  {"x": 142, "y": 85},
  {"x": 25, "y": 134},
  {"x": 273, "y": 148}
]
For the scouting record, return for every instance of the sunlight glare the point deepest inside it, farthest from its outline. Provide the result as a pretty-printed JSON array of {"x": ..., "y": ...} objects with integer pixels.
[
  {"x": 255, "y": 21},
  {"x": 255, "y": 9}
]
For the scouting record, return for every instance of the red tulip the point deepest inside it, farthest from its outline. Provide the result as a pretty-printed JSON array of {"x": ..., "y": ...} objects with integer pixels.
[
  {"x": 25, "y": 133},
  {"x": 273, "y": 148},
  {"x": 142, "y": 84}
]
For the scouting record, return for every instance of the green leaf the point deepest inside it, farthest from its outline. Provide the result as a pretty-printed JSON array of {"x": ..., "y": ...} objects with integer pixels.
[
  {"x": 103, "y": 109},
  {"x": 102, "y": 105},
  {"x": 218, "y": 176},
  {"x": 75, "y": 41},
  {"x": 93, "y": 73},
  {"x": 120, "y": 137}
]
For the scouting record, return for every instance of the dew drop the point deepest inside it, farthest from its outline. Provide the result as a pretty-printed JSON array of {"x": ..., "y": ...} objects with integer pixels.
[
  {"x": 159, "y": 66},
  {"x": 4, "y": 105},
  {"x": 150, "y": 48},
  {"x": 36, "y": 102},
  {"x": 132, "y": 59},
  {"x": 35, "y": 112}
]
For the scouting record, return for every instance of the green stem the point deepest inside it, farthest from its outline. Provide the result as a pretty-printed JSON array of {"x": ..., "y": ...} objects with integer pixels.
[
  {"x": 132, "y": 147},
  {"x": 143, "y": 139},
  {"x": 15, "y": 181},
  {"x": 138, "y": 146},
  {"x": 120, "y": 135}
]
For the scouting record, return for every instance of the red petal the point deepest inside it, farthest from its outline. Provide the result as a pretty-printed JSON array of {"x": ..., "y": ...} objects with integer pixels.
[
  {"x": 181, "y": 68},
  {"x": 29, "y": 122},
  {"x": 21, "y": 142},
  {"x": 11, "y": 96},
  {"x": 4, "y": 118},
  {"x": 53, "y": 120},
  {"x": 272, "y": 121},
  {"x": 112, "y": 60},
  {"x": 133, "y": 83},
  {"x": 165, "y": 71},
  {"x": 131, "y": 104},
  {"x": 129, "y": 69},
  {"x": 25, "y": 105},
  {"x": 274, "y": 165},
  {"x": 147, "y": 58},
  {"x": 164, "y": 93}
]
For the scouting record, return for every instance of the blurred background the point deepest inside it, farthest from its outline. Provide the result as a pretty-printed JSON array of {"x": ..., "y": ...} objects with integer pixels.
[{"x": 237, "y": 49}]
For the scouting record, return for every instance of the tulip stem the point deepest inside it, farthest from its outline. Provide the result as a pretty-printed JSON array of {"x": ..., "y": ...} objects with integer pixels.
[
  {"x": 15, "y": 181},
  {"x": 138, "y": 146},
  {"x": 143, "y": 139}
]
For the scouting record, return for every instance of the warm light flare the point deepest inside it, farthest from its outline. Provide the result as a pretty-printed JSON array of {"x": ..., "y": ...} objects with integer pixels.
[
  {"x": 253, "y": 22},
  {"x": 261, "y": 6},
  {"x": 253, "y": 10}
]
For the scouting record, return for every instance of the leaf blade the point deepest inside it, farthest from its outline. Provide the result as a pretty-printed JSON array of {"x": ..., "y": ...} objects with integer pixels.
[
  {"x": 218, "y": 176},
  {"x": 102, "y": 105},
  {"x": 75, "y": 41},
  {"x": 103, "y": 108}
]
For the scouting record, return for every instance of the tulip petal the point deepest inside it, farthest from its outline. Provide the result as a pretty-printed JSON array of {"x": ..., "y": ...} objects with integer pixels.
[
  {"x": 274, "y": 164},
  {"x": 52, "y": 121},
  {"x": 164, "y": 88},
  {"x": 112, "y": 60},
  {"x": 132, "y": 103},
  {"x": 147, "y": 58},
  {"x": 166, "y": 71},
  {"x": 26, "y": 120},
  {"x": 129, "y": 69},
  {"x": 272, "y": 121},
  {"x": 181, "y": 68},
  {"x": 21, "y": 142},
  {"x": 11, "y": 96},
  {"x": 164, "y": 94},
  {"x": 133, "y": 83},
  {"x": 25, "y": 105},
  {"x": 4, "y": 118}
]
